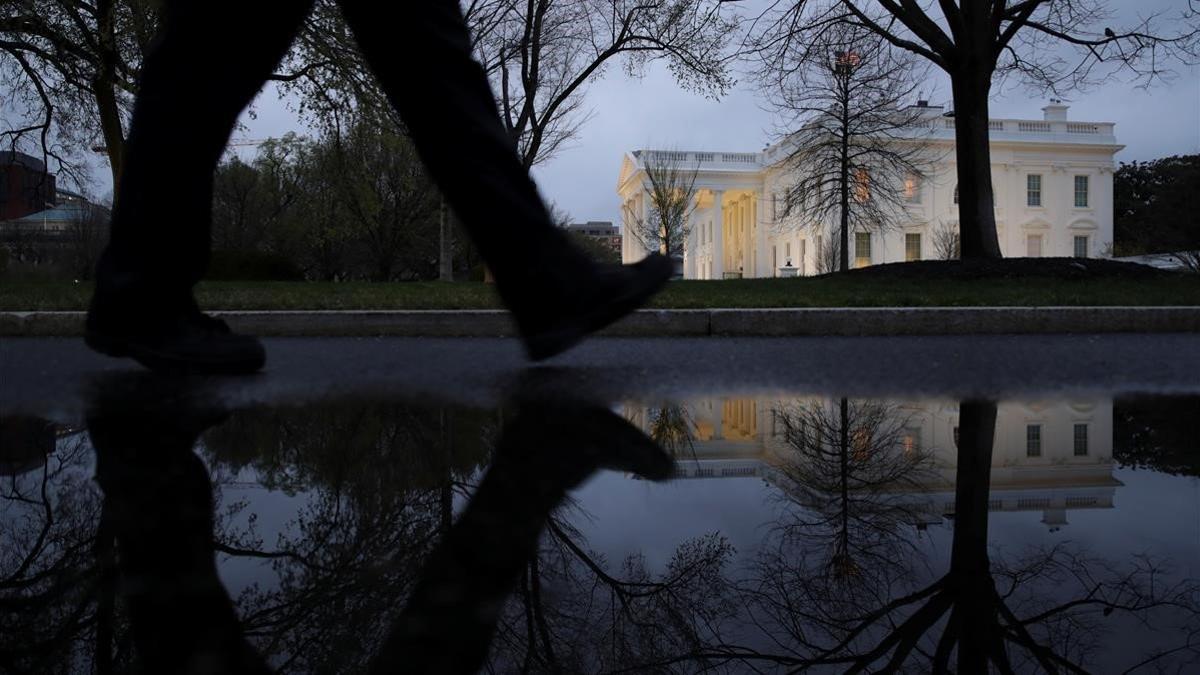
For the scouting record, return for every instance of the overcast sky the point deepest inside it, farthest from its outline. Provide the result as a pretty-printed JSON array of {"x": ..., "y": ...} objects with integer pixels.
[{"x": 627, "y": 114}]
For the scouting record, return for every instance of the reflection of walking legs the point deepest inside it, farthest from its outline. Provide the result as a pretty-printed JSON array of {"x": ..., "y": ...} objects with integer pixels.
[
  {"x": 544, "y": 452},
  {"x": 212, "y": 58},
  {"x": 158, "y": 502}
]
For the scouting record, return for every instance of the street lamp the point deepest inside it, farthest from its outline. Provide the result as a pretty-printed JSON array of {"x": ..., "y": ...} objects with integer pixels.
[{"x": 845, "y": 62}]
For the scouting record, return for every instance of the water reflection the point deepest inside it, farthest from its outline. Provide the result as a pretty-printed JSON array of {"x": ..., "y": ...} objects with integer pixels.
[{"x": 368, "y": 535}]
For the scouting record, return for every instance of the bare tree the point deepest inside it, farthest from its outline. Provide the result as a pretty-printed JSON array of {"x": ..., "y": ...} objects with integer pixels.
[
  {"x": 829, "y": 254},
  {"x": 83, "y": 238},
  {"x": 855, "y": 143},
  {"x": 671, "y": 191},
  {"x": 1050, "y": 45},
  {"x": 540, "y": 55},
  {"x": 947, "y": 244}
]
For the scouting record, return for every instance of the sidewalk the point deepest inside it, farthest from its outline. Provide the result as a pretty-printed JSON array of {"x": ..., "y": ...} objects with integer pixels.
[{"x": 880, "y": 321}]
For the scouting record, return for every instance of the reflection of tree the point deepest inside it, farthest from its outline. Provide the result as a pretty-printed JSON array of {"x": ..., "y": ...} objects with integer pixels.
[
  {"x": 1157, "y": 433},
  {"x": 847, "y": 470},
  {"x": 49, "y": 574},
  {"x": 576, "y": 612},
  {"x": 1048, "y": 611},
  {"x": 378, "y": 481},
  {"x": 671, "y": 426}
]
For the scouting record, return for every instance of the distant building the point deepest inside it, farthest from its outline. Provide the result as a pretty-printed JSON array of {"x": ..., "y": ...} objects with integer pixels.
[
  {"x": 25, "y": 185},
  {"x": 54, "y": 224},
  {"x": 1053, "y": 181},
  {"x": 599, "y": 229}
]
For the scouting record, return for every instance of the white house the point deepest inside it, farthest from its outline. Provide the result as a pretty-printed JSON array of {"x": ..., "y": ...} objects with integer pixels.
[{"x": 1053, "y": 191}]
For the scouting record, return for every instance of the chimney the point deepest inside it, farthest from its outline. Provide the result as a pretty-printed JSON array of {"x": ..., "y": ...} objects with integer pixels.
[{"x": 1055, "y": 112}]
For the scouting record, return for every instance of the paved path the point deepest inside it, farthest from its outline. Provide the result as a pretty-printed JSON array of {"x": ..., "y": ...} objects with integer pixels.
[
  {"x": 48, "y": 376},
  {"x": 786, "y": 322}
]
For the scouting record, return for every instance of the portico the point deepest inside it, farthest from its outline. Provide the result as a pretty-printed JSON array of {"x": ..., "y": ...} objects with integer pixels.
[{"x": 726, "y": 239}]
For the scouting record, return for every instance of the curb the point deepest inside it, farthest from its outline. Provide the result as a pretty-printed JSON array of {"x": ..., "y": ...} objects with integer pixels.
[{"x": 872, "y": 321}]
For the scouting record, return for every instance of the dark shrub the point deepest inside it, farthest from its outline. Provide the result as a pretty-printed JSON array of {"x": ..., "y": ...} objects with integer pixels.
[{"x": 252, "y": 266}]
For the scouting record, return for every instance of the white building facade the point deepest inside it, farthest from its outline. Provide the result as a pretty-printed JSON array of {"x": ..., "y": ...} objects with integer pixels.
[
  {"x": 1052, "y": 456},
  {"x": 1052, "y": 178}
]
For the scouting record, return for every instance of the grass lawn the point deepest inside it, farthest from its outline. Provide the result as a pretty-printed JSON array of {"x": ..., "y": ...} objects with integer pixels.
[{"x": 848, "y": 290}]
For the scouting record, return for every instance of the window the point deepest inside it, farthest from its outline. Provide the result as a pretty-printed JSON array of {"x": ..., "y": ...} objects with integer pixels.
[
  {"x": 956, "y": 193},
  {"x": 774, "y": 261},
  {"x": 1033, "y": 246},
  {"x": 1081, "y": 192},
  {"x": 787, "y": 251},
  {"x": 911, "y": 440},
  {"x": 1081, "y": 247},
  {"x": 862, "y": 249},
  {"x": 912, "y": 246},
  {"x": 1081, "y": 446},
  {"x": 1033, "y": 440},
  {"x": 955, "y": 437},
  {"x": 862, "y": 185},
  {"x": 774, "y": 206},
  {"x": 912, "y": 188},
  {"x": 1033, "y": 189}
]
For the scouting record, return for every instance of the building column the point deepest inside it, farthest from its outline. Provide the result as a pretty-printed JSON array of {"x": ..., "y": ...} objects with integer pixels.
[
  {"x": 743, "y": 237},
  {"x": 718, "y": 238}
]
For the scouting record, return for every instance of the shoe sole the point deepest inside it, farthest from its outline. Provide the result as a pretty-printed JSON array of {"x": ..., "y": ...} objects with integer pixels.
[
  {"x": 550, "y": 343},
  {"x": 169, "y": 364}
]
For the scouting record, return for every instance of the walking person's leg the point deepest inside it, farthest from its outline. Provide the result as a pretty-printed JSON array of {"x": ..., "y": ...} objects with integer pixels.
[
  {"x": 421, "y": 54},
  {"x": 209, "y": 61}
]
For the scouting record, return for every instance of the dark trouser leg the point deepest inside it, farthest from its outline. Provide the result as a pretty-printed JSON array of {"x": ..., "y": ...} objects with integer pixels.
[
  {"x": 420, "y": 52},
  {"x": 210, "y": 60}
]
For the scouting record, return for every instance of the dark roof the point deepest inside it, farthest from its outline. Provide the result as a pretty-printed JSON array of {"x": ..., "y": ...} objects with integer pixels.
[{"x": 28, "y": 161}]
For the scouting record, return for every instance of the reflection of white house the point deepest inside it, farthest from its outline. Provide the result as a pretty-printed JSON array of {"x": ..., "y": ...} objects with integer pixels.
[
  {"x": 1052, "y": 180},
  {"x": 1052, "y": 456}
]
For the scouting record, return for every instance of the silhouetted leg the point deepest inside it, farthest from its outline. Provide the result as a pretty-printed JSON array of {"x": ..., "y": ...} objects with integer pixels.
[
  {"x": 421, "y": 54},
  {"x": 208, "y": 63}
]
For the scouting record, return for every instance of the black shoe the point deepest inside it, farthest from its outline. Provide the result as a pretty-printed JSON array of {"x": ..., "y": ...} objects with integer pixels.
[
  {"x": 186, "y": 341},
  {"x": 610, "y": 294}
]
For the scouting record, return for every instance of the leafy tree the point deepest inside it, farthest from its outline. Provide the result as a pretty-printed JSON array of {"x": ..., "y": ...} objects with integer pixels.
[
  {"x": 72, "y": 66},
  {"x": 393, "y": 205},
  {"x": 1157, "y": 433},
  {"x": 1154, "y": 208},
  {"x": 1050, "y": 45}
]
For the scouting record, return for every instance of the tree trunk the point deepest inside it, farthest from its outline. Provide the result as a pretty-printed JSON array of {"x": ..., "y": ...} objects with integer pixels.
[
  {"x": 844, "y": 234},
  {"x": 976, "y": 200},
  {"x": 445, "y": 259},
  {"x": 103, "y": 89}
]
